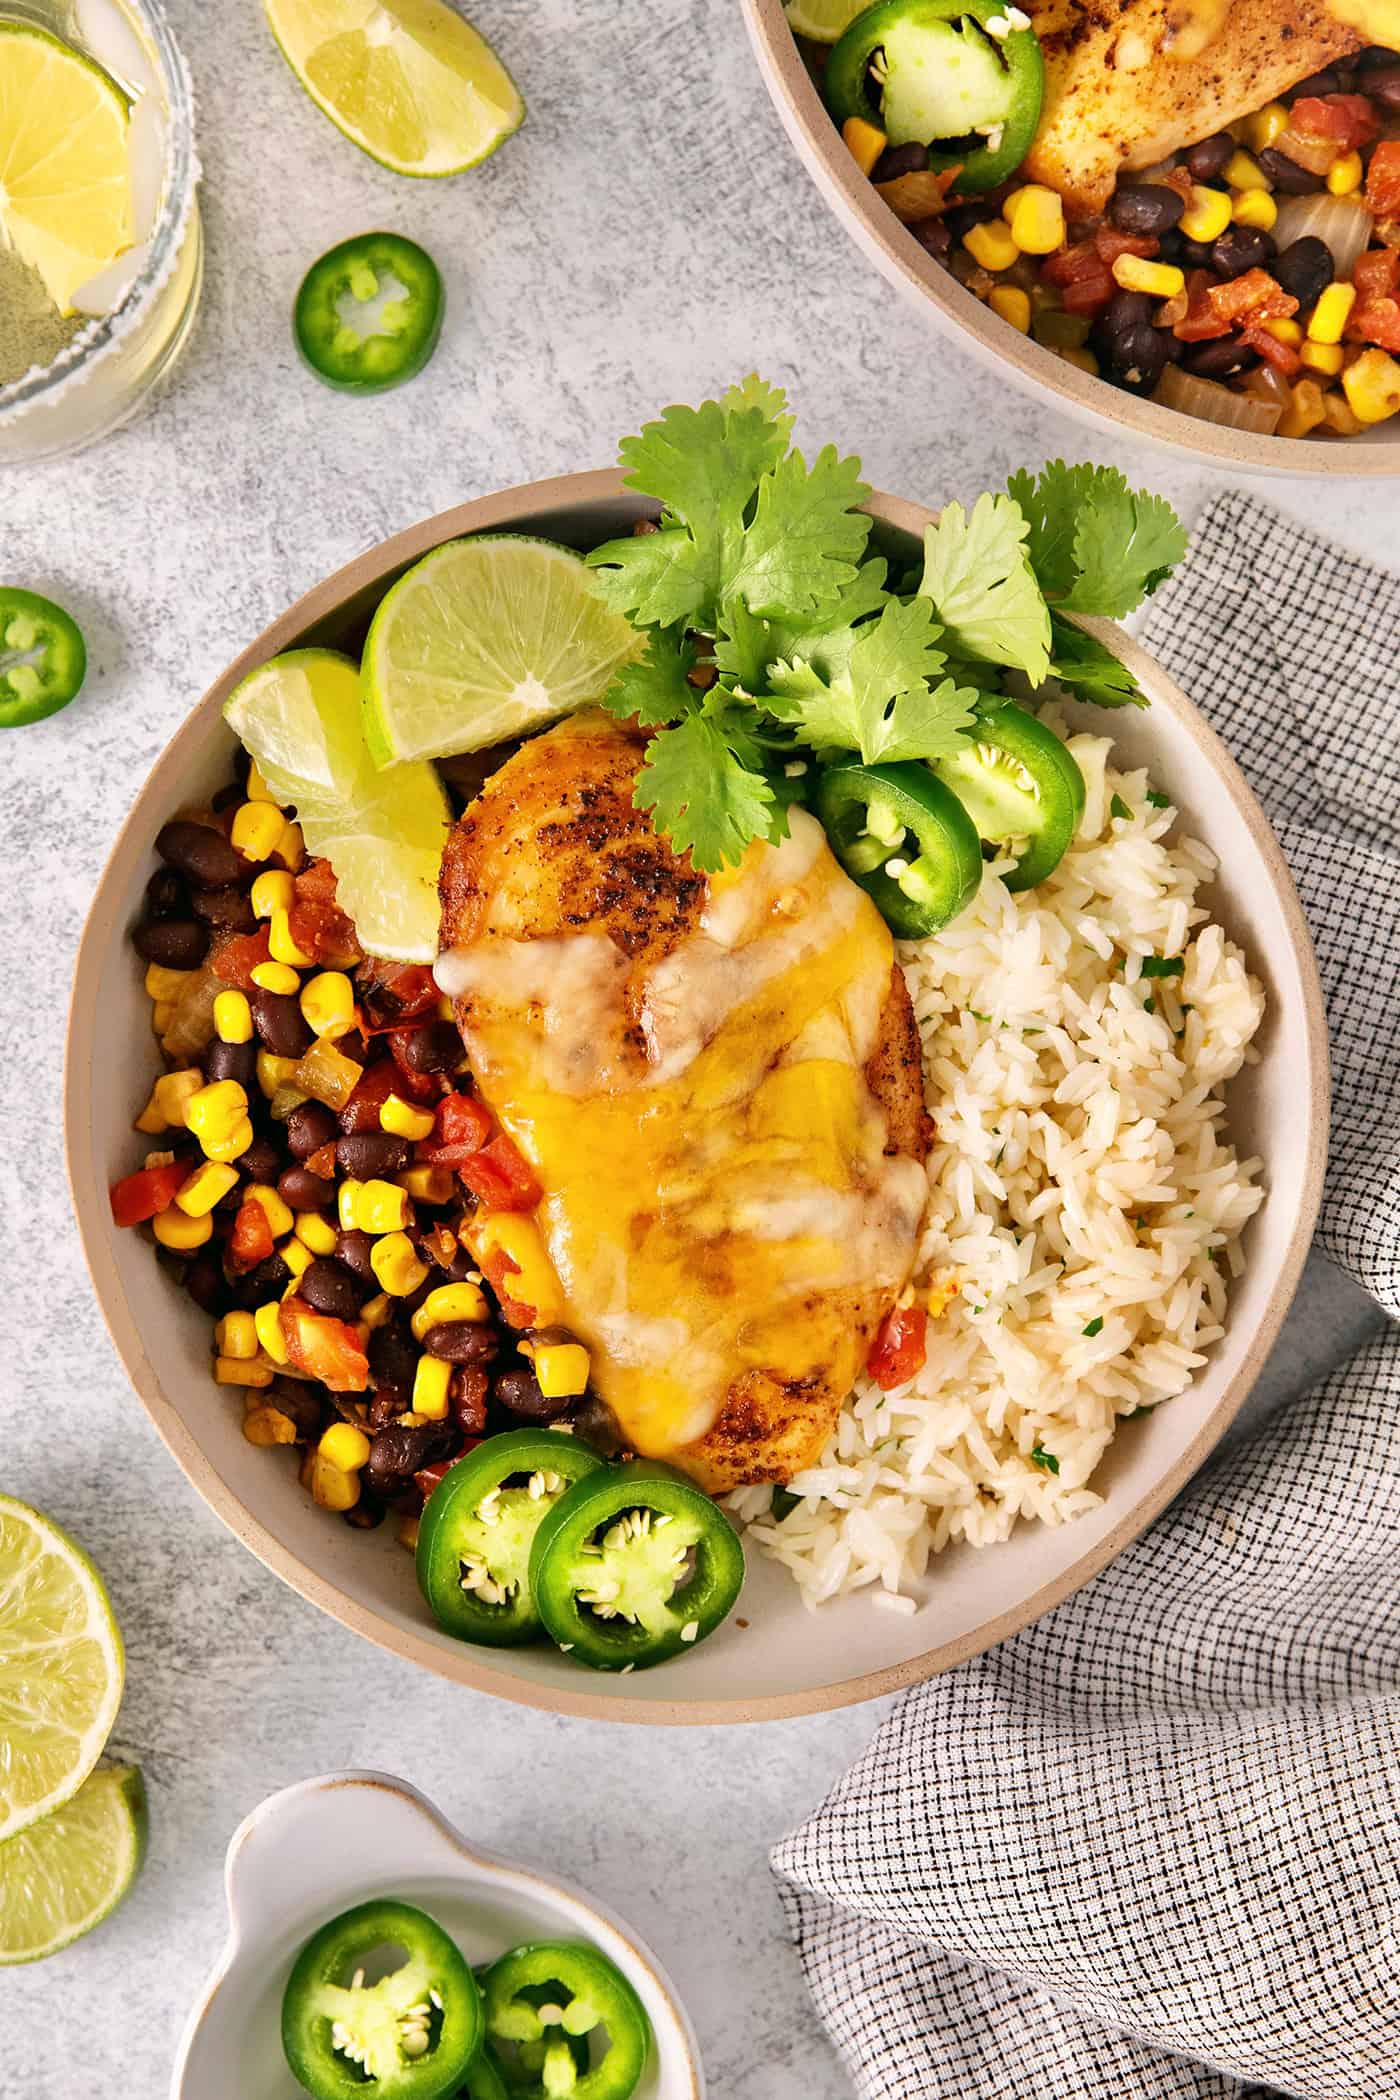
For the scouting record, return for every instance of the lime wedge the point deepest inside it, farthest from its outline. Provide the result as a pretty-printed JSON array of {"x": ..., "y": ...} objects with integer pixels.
[
  {"x": 382, "y": 832},
  {"x": 60, "y": 1666},
  {"x": 823, "y": 20},
  {"x": 408, "y": 80},
  {"x": 65, "y": 161},
  {"x": 487, "y": 639},
  {"x": 64, "y": 1875}
]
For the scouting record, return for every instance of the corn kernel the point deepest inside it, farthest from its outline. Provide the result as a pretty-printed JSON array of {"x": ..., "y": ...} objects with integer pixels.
[
  {"x": 1136, "y": 274},
  {"x": 992, "y": 244},
  {"x": 176, "y": 1229},
  {"x": 1037, "y": 220},
  {"x": 163, "y": 984},
  {"x": 345, "y": 1447},
  {"x": 347, "y": 1198},
  {"x": 402, "y": 1119},
  {"x": 233, "y": 1146},
  {"x": 1284, "y": 331},
  {"x": 407, "y": 1534},
  {"x": 274, "y": 1072},
  {"x": 864, "y": 142},
  {"x": 298, "y": 1257},
  {"x": 1207, "y": 215},
  {"x": 280, "y": 944},
  {"x": 1322, "y": 357},
  {"x": 269, "y": 1332},
  {"x": 1346, "y": 175},
  {"x": 215, "y": 1112},
  {"x": 396, "y": 1264},
  {"x": 173, "y": 1092},
  {"x": 229, "y": 1370},
  {"x": 446, "y": 1010},
  {"x": 1372, "y": 386},
  {"x": 1012, "y": 304},
  {"x": 1332, "y": 312},
  {"x": 276, "y": 977},
  {"x": 1265, "y": 125},
  {"x": 1337, "y": 415},
  {"x": 256, "y": 828},
  {"x": 431, "y": 1382},
  {"x": 255, "y": 787},
  {"x": 561, "y": 1369},
  {"x": 450, "y": 1301},
  {"x": 1083, "y": 360},
  {"x": 275, "y": 1209},
  {"x": 376, "y": 1312},
  {"x": 1242, "y": 173},
  {"x": 1305, "y": 409},
  {"x": 1253, "y": 208},
  {"x": 331, "y": 1487},
  {"x": 519, "y": 1238},
  {"x": 268, "y": 1426},
  {"x": 233, "y": 1018},
  {"x": 236, "y": 1336},
  {"x": 163, "y": 1016},
  {"x": 291, "y": 847},
  {"x": 150, "y": 1122},
  {"x": 273, "y": 891},
  {"x": 315, "y": 1231},
  {"x": 207, "y": 1185},
  {"x": 432, "y": 1185},
  {"x": 382, "y": 1206},
  {"x": 328, "y": 1003}
]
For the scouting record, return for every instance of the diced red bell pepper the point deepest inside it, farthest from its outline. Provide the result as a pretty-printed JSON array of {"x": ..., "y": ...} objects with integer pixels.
[
  {"x": 900, "y": 1347},
  {"x": 1200, "y": 323},
  {"x": 146, "y": 1193},
  {"x": 414, "y": 1086},
  {"x": 1110, "y": 243},
  {"x": 1377, "y": 273},
  {"x": 372, "y": 1090},
  {"x": 462, "y": 1128},
  {"x": 322, "y": 1347},
  {"x": 498, "y": 1269},
  {"x": 1383, "y": 182},
  {"x": 1282, "y": 356},
  {"x": 235, "y": 958},
  {"x": 1256, "y": 296},
  {"x": 429, "y": 1477},
  {"x": 500, "y": 1178},
  {"x": 1378, "y": 322},
  {"x": 322, "y": 1161},
  {"x": 251, "y": 1239},
  {"x": 1351, "y": 120}
]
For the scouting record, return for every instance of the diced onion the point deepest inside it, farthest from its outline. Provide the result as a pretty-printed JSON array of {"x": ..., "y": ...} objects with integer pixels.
[
  {"x": 1343, "y": 223},
  {"x": 917, "y": 195},
  {"x": 1214, "y": 403},
  {"x": 1306, "y": 150}
]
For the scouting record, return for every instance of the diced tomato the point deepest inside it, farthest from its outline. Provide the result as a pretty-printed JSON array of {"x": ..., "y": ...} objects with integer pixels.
[
  {"x": 1256, "y": 296},
  {"x": 251, "y": 1239},
  {"x": 1110, "y": 244},
  {"x": 1090, "y": 294},
  {"x": 322, "y": 1347},
  {"x": 324, "y": 933},
  {"x": 1378, "y": 322},
  {"x": 414, "y": 1086},
  {"x": 322, "y": 1161},
  {"x": 462, "y": 1128},
  {"x": 1383, "y": 181},
  {"x": 1201, "y": 322},
  {"x": 429, "y": 1477},
  {"x": 1066, "y": 264},
  {"x": 394, "y": 993},
  {"x": 470, "y": 1386},
  {"x": 1282, "y": 356},
  {"x": 499, "y": 1178},
  {"x": 498, "y": 1269},
  {"x": 900, "y": 1347},
  {"x": 1376, "y": 275},
  {"x": 1351, "y": 120},
  {"x": 316, "y": 882},
  {"x": 146, "y": 1193},
  {"x": 372, "y": 1090},
  {"x": 236, "y": 957}
]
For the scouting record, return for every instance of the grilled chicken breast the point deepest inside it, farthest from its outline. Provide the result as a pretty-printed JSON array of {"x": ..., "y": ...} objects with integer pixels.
[
  {"x": 1128, "y": 82},
  {"x": 719, "y": 1086}
]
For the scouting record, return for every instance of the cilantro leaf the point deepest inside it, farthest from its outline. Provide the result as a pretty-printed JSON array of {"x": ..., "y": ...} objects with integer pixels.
[
  {"x": 654, "y": 686},
  {"x": 1162, "y": 966},
  {"x": 771, "y": 401},
  {"x": 801, "y": 550},
  {"x": 702, "y": 795},
  {"x": 1051, "y": 507},
  {"x": 654, "y": 579},
  {"x": 1085, "y": 667},
  {"x": 1046, "y": 1460},
  {"x": 982, "y": 585},
  {"x": 880, "y": 702},
  {"x": 1125, "y": 543}
]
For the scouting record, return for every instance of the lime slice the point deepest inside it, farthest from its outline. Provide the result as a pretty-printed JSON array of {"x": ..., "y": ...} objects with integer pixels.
[
  {"x": 823, "y": 20},
  {"x": 65, "y": 1874},
  {"x": 382, "y": 832},
  {"x": 408, "y": 80},
  {"x": 487, "y": 639},
  {"x": 60, "y": 1666},
  {"x": 65, "y": 161}
]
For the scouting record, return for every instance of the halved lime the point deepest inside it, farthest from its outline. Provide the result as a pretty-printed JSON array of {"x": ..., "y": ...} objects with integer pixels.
[
  {"x": 65, "y": 160},
  {"x": 408, "y": 80},
  {"x": 382, "y": 832},
  {"x": 487, "y": 639},
  {"x": 823, "y": 20},
  {"x": 66, "y": 1874},
  {"x": 61, "y": 1666}
]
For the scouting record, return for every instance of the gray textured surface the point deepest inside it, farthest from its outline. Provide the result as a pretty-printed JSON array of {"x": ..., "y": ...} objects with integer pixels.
[{"x": 647, "y": 237}]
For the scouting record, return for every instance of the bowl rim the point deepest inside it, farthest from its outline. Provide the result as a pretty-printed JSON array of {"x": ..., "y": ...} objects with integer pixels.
[
  {"x": 462, "y": 1664},
  {"x": 899, "y": 257}
]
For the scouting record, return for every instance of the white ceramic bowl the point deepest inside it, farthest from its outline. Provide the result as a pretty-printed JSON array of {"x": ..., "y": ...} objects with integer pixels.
[
  {"x": 961, "y": 317},
  {"x": 773, "y": 1657},
  {"x": 315, "y": 1849}
]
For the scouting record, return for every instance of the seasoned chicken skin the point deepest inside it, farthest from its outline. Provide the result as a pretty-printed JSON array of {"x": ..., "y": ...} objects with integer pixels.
[
  {"x": 1128, "y": 82},
  {"x": 719, "y": 1085}
]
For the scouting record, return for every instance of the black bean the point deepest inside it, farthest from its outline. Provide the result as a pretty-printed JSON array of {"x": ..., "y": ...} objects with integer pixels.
[
  {"x": 228, "y": 908},
  {"x": 1242, "y": 248},
  {"x": 262, "y": 1162},
  {"x": 204, "y": 1280},
  {"x": 232, "y": 1061},
  {"x": 434, "y": 1048},
  {"x": 462, "y": 1342},
  {"x": 1324, "y": 83},
  {"x": 933, "y": 236},
  {"x": 176, "y": 944},
  {"x": 300, "y": 1403},
  {"x": 1139, "y": 355},
  {"x": 1127, "y": 310},
  {"x": 280, "y": 1023},
  {"x": 302, "y": 1190},
  {"x": 519, "y": 1393},
  {"x": 353, "y": 1248},
  {"x": 1193, "y": 255},
  {"x": 267, "y": 1281},
  {"x": 461, "y": 1266},
  {"x": 1145, "y": 207},
  {"x": 1218, "y": 359},
  {"x": 400, "y": 1451},
  {"x": 899, "y": 160},
  {"x": 594, "y": 1422},
  {"x": 963, "y": 217},
  {"x": 1305, "y": 269},
  {"x": 1207, "y": 160},
  {"x": 393, "y": 1355},
  {"x": 1383, "y": 85},
  {"x": 201, "y": 854},
  {"x": 369, "y": 1154},
  {"x": 167, "y": 896},
  {"x": 309, "y": 1128},
  {"x": 1287, "y": 177},
  {"x": 366, "y": 1515},
  {"x": 228, "y": 797},
  {"x": 1170, "y": 245},
  {"x": 330, "y": 1288}
]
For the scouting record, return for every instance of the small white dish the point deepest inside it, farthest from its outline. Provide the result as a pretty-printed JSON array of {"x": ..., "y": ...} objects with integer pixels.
[{"x": 312, "y": 1851}]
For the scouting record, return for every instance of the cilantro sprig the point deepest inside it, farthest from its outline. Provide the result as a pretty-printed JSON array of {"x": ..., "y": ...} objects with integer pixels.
[{"x": 777, "y": 636}]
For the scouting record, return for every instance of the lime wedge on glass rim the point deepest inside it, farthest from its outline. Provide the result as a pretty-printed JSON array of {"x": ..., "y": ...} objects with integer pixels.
[
  {"x": 409, "y": 81},
  {"x": 382, "y": 831},
  {"x": 61, "y": 1667},
  {"x": 484, "y": 640},
  {"x": 67, "y": 1873},
  {"x": 823, "y": 20},
  {"x": 65, "y": 161}
]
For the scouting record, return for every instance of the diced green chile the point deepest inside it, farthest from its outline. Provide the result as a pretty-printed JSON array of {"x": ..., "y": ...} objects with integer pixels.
[
  {"x": 348, "y": 343},
  {"x": 478, "y": 1527},
  {"x": 1016, "y": 779},
  {"x": 632, "y": 1565},
  {"x": 410, "y": 2035},
  {"x": 930, "y": 72},
  {"x": 43, "y": 659},
  {"x": 541, "y": 2000},
  {"x": 906, "y": 839}
]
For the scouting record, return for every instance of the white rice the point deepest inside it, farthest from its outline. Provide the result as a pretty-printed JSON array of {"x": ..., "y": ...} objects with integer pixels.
[{"x": 1080, "y": 1173}]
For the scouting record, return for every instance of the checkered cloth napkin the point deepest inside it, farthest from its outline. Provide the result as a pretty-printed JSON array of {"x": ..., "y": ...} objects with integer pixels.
[{"x": 1151, "y": 1847}]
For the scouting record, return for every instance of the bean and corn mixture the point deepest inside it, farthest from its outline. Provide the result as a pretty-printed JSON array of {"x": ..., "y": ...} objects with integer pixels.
[
  {"x": 325, "y": 1184},
  {"x": 1252, "y": 280}
]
